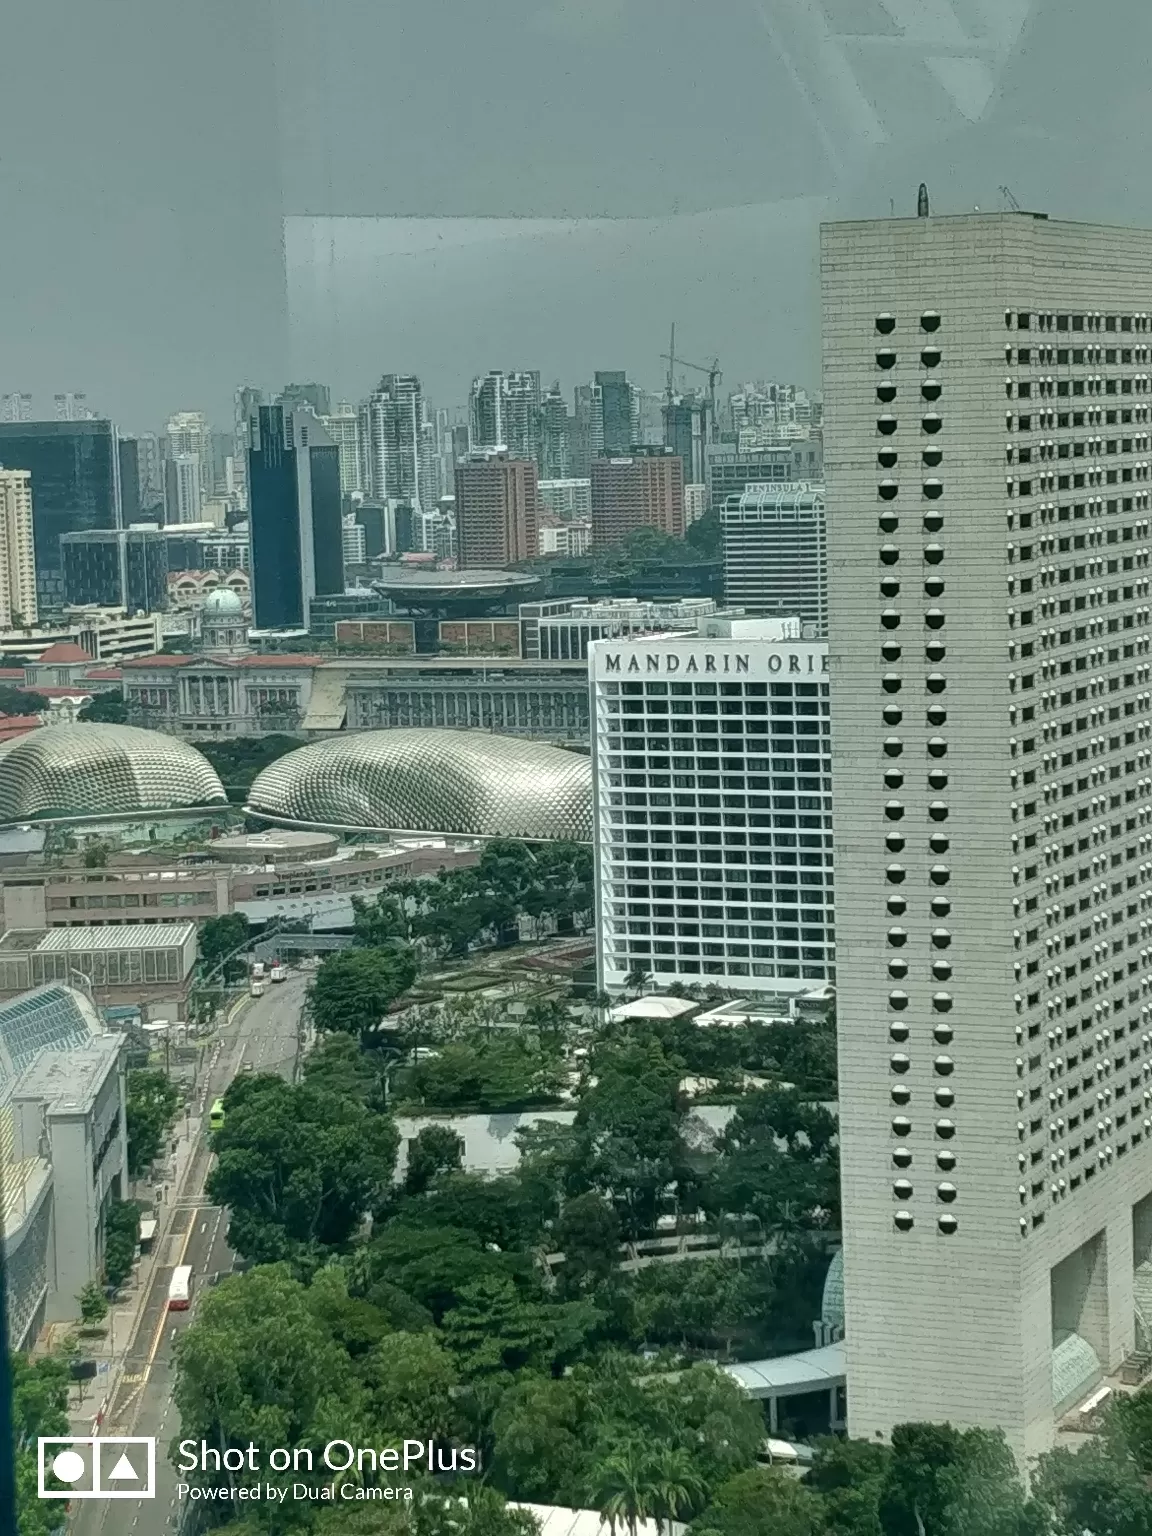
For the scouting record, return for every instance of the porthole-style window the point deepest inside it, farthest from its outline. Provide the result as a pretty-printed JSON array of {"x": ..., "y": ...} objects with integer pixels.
[
  {"x": 899, "y": 1062},
  {"x": 889, "y": 587},
  {"x": 893, "y": 778},
  {"x": 945, "y": 1129},
  {"x": 893, "y": 746},
  {"x": 903, "y": 1221},
  {"x": 934, "y": 587},
  {"x": 900, "y": 1093},
  {"x": 941, "y": 970},
  {"x": 889, "y": 554},
  {"x": 937, "y": 779},
  {"x": 942, "y": 1002},
  {"x": 892, "y": 714},
  {"x": 933, "y": 553},
  {"x": 931, "y": 389},
  {"x": 932, "y": 458},
  {"x": 897, "y": 906},
  {"x": 939, "y": 906},
  {"x": 902, "y": 1189},
  {"x": 937, "y": 747},
  {"x": 885, "y": 323},
  {"x": 888, "y": 490},
  {"x": 895, "y": 874},
  {"x": 886, "y": 425},
  {"x": 885, "y": 393},
  {"x": 930, "y": 320},
  {"x": 933, "y": 522},
  {"x": 933, "y": 489},
  {"x": 935, "y": 682},
  {"x": 894, "y": 842},
  {"x": 935, "y": 651},
  {"x": 936, "y": 714},
  {"x": 946, "y": 1192},
  {"x": 886, "y": 358},
  {"x": 931, "y": 422},
  {"x": 944, "y": 1097},
  {"x": 890, "y": 652},
  {"x": 898, "y": 1031},
  {"x": 939, "y": 874},
  {"x": 888, "y": 522},
  {"x": 947, "y": 1224},
  {"x": 887, "y": 458},
  {"x": 901, "y": 1126},
  {"x": 941, "y": 938},
  {"x": 891, "y": 682},
  {"x": 902, "y": 1157},
  {"x": 890, "y": 619},
  {"x": 930, "y": 357},
  {"x": 943, "y": 1034},
  {"x": 894, "y": 811},
  {"x": 937, "y": 811},
  {"x": 898, "y": 969},
  {"x": 934, "y": 618},
  {"x": 897, "y": 937},
  {"x": 937, "y": 843},
  {"x": 946, "y": 1161},
  {"x": 898, "y": 1000}
]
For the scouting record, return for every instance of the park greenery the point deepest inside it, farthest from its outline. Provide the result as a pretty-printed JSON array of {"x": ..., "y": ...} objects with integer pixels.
[
  {"x": 39, "y": 1407},
  {"x": 107, "y": 708},
  {"x": 239, "y": 761},
  {"x": 151, "y": 1105},
  {"x": 121, "y": 1231}
]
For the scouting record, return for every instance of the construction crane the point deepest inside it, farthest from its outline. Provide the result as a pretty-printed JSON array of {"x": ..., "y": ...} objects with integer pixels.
[
  {"x": 1006, "y": 194},
  {"x": 712, "y": 369}
]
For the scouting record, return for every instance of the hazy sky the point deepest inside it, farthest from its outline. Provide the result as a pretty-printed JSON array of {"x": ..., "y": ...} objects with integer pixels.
[{"x": 149, "y": 148}]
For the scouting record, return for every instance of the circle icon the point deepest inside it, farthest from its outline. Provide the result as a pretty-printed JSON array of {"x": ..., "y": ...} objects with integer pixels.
[{"x": 68, "y": 1466}]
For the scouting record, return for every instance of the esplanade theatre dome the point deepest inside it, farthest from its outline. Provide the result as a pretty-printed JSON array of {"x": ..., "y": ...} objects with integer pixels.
[
  {"x": 101, "y": 770},
  {"x": 455, "y": 782}
]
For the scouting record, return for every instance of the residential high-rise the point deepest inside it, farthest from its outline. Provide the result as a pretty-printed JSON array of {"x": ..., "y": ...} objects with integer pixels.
[
  {"x": 644, "y": 490},
  {"x": 392, "y": 438},
  {"x": 497, "y": 510},
  {"x": 988, "y": 395},
  {"x": 72, "y": 407},
  {"x": 503, "y": 412},
  {"x": 17, "y": 550},
  {"x": 316, "y": 398},
  {"x": 183, "y": 488},
  {"x": 294, "y": 518},
  {"x": 343, "y": 427},
  {"x": 686, "y": 432},
  {"x": 352, "y": 539},
  {"x": 554, "y": 454},
  {"x": 775, "y": 560},
  {"x": 617, "y": 409},
  {"x": 15, "y": 407},
  {"x": 188, "y": 432},
  {"x": 734, "y": 886},
  {"x": 75, "y": 469}
]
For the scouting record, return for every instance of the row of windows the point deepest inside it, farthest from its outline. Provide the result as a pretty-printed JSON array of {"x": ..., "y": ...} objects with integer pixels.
[
  {"x": 1029, "y": 320},
  {"x": 1030, "y": 356}
]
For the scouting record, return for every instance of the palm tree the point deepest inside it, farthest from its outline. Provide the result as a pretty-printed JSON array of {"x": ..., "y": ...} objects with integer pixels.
[
  {"x": 623, "y": 1488},
  {"x": 677, "y": 1484}
]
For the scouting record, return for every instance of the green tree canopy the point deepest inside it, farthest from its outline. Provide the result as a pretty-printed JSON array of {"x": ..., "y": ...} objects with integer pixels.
[
  {"x": 435, "y": 1149},
  {"x": 151, "y": 1105},
  {"x": 221, "y": 936},
  {"x": 106, "y": 708},
  {"x": 354, "y": 988},
  {"x": 762, "y": 1501}
]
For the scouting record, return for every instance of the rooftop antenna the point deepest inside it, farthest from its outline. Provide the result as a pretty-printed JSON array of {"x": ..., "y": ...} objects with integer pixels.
[
  {"x": 1006, "y": 194},
  {"x": 922, "y": 208}
]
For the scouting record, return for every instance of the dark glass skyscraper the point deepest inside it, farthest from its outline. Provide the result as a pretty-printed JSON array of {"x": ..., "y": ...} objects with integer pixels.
[
  {"x": 615, "y": 413},
  {"x": 118, "y": 568},
  {"x": 294, "y": 521},
  {"x": 75, "y": 468}
]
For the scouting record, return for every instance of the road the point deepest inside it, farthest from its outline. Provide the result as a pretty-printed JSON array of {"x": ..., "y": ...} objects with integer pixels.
[{"x": 266, "y": 1036}]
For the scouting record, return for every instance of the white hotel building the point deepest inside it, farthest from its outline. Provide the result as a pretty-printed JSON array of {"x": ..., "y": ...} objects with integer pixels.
[
  {"x": 711, "y": 764},
  {"x": 988, "y": 395}
]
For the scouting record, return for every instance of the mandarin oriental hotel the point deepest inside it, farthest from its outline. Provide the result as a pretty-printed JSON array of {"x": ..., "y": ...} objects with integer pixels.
[{"x": 711, "y": 764}]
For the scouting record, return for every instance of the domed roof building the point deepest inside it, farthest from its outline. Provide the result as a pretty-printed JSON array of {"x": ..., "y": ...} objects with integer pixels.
[
  {"x": 454, "y": 782},
  {"x": 101, "y": 770},
  {"x": 223, "y": 623}
]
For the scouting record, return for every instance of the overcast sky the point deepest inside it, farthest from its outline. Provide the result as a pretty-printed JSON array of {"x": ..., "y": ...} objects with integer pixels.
[{"x": 149, "y": 149}]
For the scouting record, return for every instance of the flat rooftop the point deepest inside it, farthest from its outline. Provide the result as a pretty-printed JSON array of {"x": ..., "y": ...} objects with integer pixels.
[
  {"x": 68, "y": 1082},
  {"x": 87, "y": 940}
]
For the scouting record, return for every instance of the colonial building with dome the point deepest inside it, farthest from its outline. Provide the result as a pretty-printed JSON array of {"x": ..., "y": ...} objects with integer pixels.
[{"x": 223, "y": 624}]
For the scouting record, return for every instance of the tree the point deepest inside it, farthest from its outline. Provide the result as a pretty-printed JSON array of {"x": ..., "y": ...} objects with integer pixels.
[
  {"x": 705, "y": 535},
  {"x": 222, "y": 937},
  {"x": 96, "y": 853},
  {"x": 121, "y": 1230},
  {"x": 952, "y": 1481},
  {"x": 849, "y": 1477},
  {"x": 411, "y": 1381},
  {"x": 588, "y": 1235},
  {"x": 299, "y": 1168},
  {"x": 762, "y": 1501},
  {"x": 106, "y": 708},
  {"x": 21, "y": 701},
  {"x": 338, "y": 1065},
  {"x": 39, "y": 1407},
  {"x": 780, "y": 1163},
  {"x": 432, "y": 1265},
  {"x": 354, "y": 988},
  {"x": 497, "y": 1072},
  {"x": 623, "y": 1487},
  {"x": 494, "y": 1329},
  {"x": 1091, "y": 1490},
  {"x": 435, "y": 1149},
  {"x": 93, "y": 1305},
  {"x": 151, "y": 1105}
]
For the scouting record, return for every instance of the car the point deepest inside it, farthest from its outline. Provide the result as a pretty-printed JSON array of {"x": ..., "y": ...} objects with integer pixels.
[{"x": 246, "y": 1066}]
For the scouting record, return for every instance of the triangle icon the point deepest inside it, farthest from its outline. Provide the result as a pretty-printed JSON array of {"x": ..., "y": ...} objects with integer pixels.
[{"x": 123, "y": 1470}]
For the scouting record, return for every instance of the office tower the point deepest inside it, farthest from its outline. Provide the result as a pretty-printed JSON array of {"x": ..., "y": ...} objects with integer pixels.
[
  {"x": 246, "y": 401},
  {"x": 119, "y": 568},
  {"x": 616, "y": 405},
  {"x": 130, "y": 491},
  {"x": 729, "y": 469},
  {"x": 352, "y": 540},
  {"x": 15, "y": 407},
  {"x": 554, "y": 455},
  {"x": 644, "y": 490},
  {"x": 648, "y": 418},
  {"x": 72, "y": 407},
  {"x": 735, "y": 885},
  {"x": 183, "y": 489},
  {"x": 987, "y": 386},
  {"x": 294, "y": 520},
  {"x": 188, "y": 432},
  {"x": 686, "y": 432},
  {"x": 343, "y": 427},
  {"x": 316, "y": 398},
  {"x": 503, "y": 412},
  {"x": 774, "y": 552},
  {"x": 497, "y": 510},
  {"x": 392, "y": 424},
  {"x": 17, "y": 550},
  {"x": 75, "y": 469}
]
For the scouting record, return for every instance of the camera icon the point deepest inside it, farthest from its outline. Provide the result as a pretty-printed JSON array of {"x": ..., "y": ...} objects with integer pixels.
[{"x": 96, "y": 1467}]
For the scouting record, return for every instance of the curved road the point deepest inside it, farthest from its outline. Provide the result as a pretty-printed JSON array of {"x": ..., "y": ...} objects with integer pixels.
[{"x": 266, "y": 1036}]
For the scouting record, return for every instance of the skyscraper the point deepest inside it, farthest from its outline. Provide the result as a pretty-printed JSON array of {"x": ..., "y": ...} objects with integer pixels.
[
  {"x": 987, "y": 388},
  {"x": 246, "y": 401},
  {"x": 75, "y": 469},
  {"x": 15, "y": 407},
  {"x": 497, "y": 510},
  {"x": 643, "y": 490},
  {"x": 294, "y": 518},
  {"x": 504, "y": 413},
  {"x": 392, "y": 438},
  {"x": 316, "y": 398},
  {"x": 343, "y": 427},
  {"x": 686, "y": 432},
  {"x": 188, "y": 432},
  {"x": 775, "y": 561},
  {"x": 744, "y": 896},
  {"x": 17, "y": 550},
  {"x": 555, "y": 436},
  {"x": 617, "y": 412},
  {"x": 130, "y": 488},
  {"x": 72, "y": 407},
  {"x": 183, "y": 488}
]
